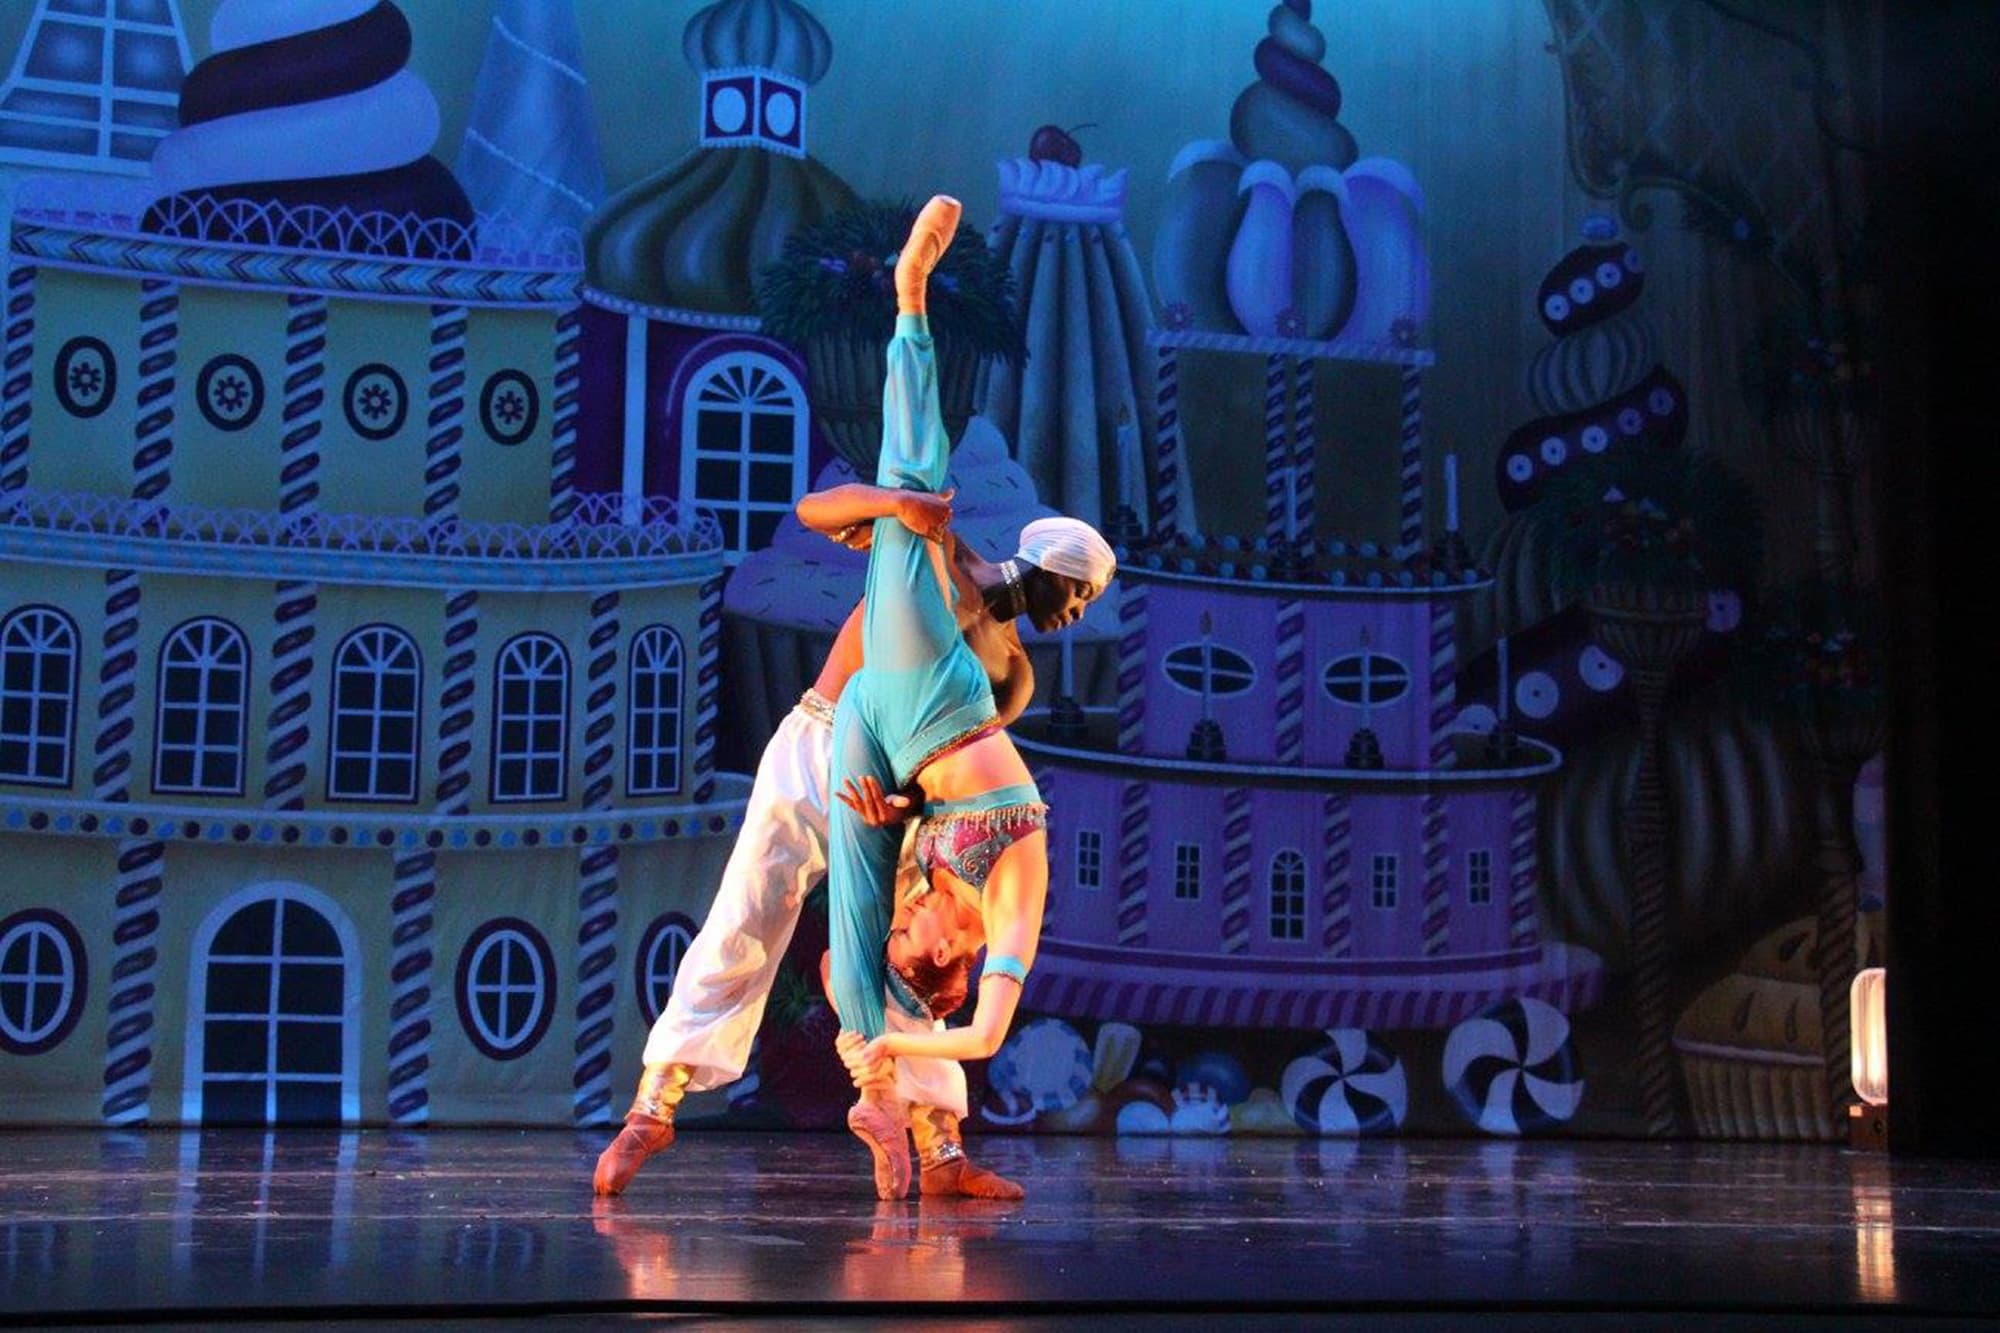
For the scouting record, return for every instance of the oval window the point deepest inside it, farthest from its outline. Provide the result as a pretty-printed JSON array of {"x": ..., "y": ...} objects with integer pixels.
[
  {"x": 506, "y": 988},
  {"x": 661, "y": 950},
  {"x": 1196, "y": 667},
  {"x": 1365, "y": 680}
]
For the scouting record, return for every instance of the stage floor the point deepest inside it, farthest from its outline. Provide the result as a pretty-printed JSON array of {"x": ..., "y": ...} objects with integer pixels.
[{"x": 463, "y": 1225}]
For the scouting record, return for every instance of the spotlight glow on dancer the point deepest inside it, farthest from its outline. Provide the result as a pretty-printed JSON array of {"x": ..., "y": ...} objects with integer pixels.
[
  {"x": 921, "y": 711},
  {"x": 702, "y": 1038}
]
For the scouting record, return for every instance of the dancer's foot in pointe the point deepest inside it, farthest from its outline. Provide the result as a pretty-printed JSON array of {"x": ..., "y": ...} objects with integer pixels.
[
  {"x": 882, "y": 1127},
  {"x": 930, "y": 237},
  {"x": 649, "y": 1127},
  {"x": 641, "y": 1137}
]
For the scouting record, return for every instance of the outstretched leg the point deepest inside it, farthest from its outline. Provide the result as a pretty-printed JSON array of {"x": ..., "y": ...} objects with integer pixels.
[
  {"x": 649, "y": 1127},
  {"x": 908, "y": 627},
  {"x": 702, "y": 1038}
]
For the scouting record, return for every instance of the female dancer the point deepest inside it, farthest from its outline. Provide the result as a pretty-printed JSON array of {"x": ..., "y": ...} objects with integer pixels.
[{"x": 920, "y": 711}]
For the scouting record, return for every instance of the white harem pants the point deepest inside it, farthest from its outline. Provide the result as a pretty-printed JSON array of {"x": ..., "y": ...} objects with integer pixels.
[{"x": 719, "y": 992}]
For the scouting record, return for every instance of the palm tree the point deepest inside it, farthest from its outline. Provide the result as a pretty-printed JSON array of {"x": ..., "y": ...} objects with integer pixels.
[{"x": 1644, "y": 536}]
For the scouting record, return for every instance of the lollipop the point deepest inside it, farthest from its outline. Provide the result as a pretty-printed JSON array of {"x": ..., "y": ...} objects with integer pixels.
[
  {"x": 1352, "y": 1085},
  {"x": 1512, "y": 1069}
]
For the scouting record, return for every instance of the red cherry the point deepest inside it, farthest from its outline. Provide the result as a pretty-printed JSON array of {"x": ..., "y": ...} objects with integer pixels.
[{"x": 1052, "y": 143}]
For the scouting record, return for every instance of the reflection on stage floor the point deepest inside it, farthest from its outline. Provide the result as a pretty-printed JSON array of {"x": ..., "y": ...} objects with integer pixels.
[{"x": 470, "y": 1223}]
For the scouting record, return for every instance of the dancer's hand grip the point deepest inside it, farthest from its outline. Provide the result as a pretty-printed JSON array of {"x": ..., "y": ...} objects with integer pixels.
[
  {"x": 864, "y": 796},
  {"x": 924, "y": 513}
]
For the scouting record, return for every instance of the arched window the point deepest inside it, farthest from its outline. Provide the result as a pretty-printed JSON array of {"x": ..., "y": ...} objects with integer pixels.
[
  {"x": 38, "y": 668},
  {"x": 653, "y": 740},
  {"x": 1365, "y": 680},
  {"x": 42, "y": 981},
  {"x": 661, "y": 951},
  {"x": 377, "y": 704},
  {"x": 743, "y": 446},
  {"x": 201, "y": 709},
  {"x": 506, "y": 988},
  {"x": 531, "y": 720},
  {"x": 1288, "y": 896},
  {"x": 273, "y": 1018},
  {"x": 1223, "y": 670}
]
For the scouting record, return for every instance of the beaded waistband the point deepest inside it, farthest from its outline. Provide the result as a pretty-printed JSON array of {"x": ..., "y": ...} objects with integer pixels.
[
  {"x": 1023, "y": 812},
  {"x": 1017, "y": 797},
  {"x": 816, "y": 706}
]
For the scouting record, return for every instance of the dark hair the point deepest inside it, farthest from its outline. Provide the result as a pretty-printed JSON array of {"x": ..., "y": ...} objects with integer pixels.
[{"x": 941, "y": 989}]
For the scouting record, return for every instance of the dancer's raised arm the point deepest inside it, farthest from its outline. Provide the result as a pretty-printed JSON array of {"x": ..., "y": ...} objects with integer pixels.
[{"x": 832, "y": 512}]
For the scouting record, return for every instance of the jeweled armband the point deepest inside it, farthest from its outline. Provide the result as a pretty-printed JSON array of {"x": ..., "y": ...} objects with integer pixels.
[{"x": 1005, "y": 965}]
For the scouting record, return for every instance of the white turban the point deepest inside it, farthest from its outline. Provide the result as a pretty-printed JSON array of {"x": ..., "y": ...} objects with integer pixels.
[{"x": 1068, "y": 546}]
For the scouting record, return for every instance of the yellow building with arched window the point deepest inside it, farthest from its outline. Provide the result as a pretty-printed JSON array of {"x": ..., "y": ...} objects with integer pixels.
[{"x": 355, "y": 764}]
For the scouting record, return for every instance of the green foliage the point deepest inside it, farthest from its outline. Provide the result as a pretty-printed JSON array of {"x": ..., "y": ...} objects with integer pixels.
[
  {"x": 1820, "y": 654},
  {"x": 793, "y": 996},
  {"x": 1660, "y": 518},
  {"x": 837, "y": 278}
]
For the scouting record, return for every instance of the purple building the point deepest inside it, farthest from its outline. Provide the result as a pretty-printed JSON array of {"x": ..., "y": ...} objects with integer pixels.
[{"x": 1286, "y": 823}]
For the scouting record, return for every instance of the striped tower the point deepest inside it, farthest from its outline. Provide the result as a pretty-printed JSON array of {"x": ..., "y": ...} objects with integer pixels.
[
  {"x": 1167, "y": 445},
  {"x": 444, "y": 444},
  {"x": 1305, "y": 467},
  {"x": 708, "y": 685},
  {"x": 1436, "y": 822},
  {"x": 1236, "y": 870},
  {"x": 597, "y": 875},
  {"x": 1277, "y": 450},
  {"x": 562, "y": 448},
  {"x": 455, "y": 702},
  {"x": 412, "y": 962},
  {"x": 410, "y": 983},
  {"x": 1523, "y": 872},
  {"x": 1132, "y": 668},
  {"x": 289, "y": 729},
  {"x": 1337, "y": 876},
  {"x": 17, "y": 377},
  {"x": 159, "y": 351},
  {"x": 1410, "y": 536},
  {"x": 128, "y": 1038},
  {"x": 1135, "y": 798},
  {"x": 1291, "y": 672}
]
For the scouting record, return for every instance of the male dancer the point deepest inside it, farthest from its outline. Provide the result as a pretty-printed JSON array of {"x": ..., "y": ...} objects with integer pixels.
[{"x": 702, "y": 1039}]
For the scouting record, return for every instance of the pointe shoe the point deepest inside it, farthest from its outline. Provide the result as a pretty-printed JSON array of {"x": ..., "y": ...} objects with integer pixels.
[
  {"x": 960, "y": 1179},
  {"x": 641, "y": 1137},
  {"x": 930, "y": 236},
  {"x": 885, "y": 1134}
]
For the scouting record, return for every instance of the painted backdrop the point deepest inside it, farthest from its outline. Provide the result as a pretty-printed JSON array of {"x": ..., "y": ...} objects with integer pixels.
[{"x": 401, "y": 407}]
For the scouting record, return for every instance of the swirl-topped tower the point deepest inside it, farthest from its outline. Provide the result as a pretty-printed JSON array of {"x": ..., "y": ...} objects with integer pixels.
[
  {"x": 1291, "y": 115},
  {"x": 305, "y": 128},
  {"x": 1600, "y": 384},
  {"x": 1282, "y": 230}
]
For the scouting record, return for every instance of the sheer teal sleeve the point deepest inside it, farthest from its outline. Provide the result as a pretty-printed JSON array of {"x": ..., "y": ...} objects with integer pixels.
[{"x": 915, "y": 447}]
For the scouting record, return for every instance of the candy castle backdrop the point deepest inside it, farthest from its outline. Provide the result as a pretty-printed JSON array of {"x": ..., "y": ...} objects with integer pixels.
[{"x": 400, "y": 408}]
